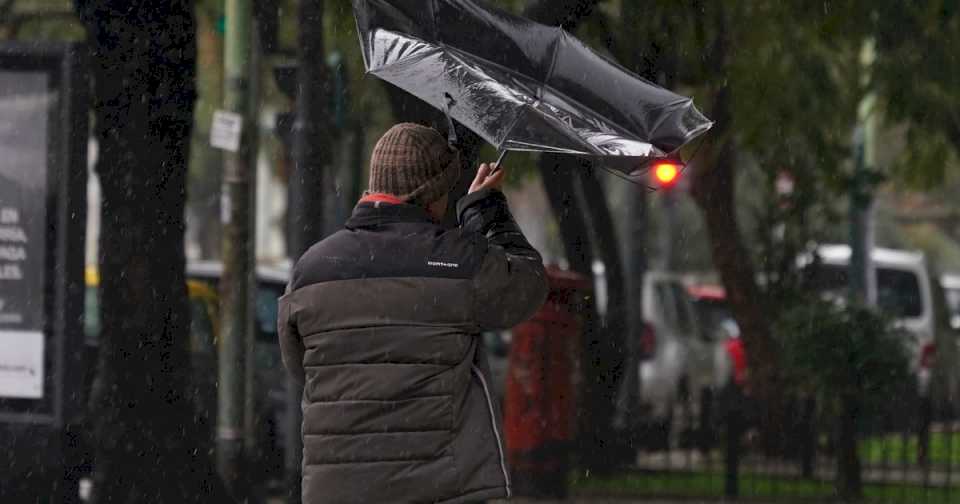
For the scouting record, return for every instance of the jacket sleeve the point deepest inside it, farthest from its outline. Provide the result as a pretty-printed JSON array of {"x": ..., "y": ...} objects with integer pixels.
[
  {"x": 291, "y": 344},
  {"x": 511, "y": 284}
]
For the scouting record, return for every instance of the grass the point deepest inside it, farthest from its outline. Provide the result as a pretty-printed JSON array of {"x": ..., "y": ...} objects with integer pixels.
[
  {"x": 944, "y": 449},
  {"x": 752, "y": 487}
]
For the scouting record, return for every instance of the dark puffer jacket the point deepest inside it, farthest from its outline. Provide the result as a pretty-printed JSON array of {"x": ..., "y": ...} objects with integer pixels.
[{"x": 380, "y": 322}]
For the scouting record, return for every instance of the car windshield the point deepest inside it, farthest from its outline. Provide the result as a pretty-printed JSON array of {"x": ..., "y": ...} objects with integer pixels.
[
  {"x": 266, "y": 309},
  {"x": 898, "y": 291},
  {"x": 267, "y": 297}
]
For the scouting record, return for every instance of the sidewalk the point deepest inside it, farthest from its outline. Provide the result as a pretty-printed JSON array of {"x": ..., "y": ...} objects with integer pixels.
[{"x": 583, "y": 500}]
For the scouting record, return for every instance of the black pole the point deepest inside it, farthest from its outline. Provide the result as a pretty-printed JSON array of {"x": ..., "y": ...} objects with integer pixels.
[
  {"x": 307, "y": 192},
  {"x": 734, "y": 426}
]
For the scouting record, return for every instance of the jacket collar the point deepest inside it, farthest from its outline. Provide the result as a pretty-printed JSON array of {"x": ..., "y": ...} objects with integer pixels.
[{"x": 379, "y": 209}]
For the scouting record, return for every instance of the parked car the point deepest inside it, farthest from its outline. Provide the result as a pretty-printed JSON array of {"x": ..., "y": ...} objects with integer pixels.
[
  {"x": 904, "y": 292},
  {"x": 717, "y": 322},
  {"x": 951, "y": 293},
  {"x": 203, "y": 329},
  {"x": 269, "y": 375},
  {"x": 681, "y": 365},
  {"x": 270, "y": 379}
]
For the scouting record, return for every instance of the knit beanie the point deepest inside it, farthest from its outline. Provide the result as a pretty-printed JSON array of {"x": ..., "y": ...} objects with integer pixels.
[{"x": 413, "y": 163}]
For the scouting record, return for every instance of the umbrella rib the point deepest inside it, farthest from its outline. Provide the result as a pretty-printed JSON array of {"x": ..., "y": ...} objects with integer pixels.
[{"x": 553, "y": 64}]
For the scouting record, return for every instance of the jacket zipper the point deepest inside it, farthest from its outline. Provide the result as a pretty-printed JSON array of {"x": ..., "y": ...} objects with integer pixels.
[{"x": 493, "y": 424}]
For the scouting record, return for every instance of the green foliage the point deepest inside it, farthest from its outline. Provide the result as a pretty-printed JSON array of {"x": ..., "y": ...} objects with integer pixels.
[
  {"x": 916, "y": 75},
  {"x": 39, "y": 20},
  {"x": 842, "y": 354}
]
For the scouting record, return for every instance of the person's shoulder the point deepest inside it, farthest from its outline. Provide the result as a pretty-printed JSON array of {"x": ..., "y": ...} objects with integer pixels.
[{"x": 321, "y": 257}]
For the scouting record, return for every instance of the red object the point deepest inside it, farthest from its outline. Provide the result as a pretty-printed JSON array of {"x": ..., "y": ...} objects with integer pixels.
[
  {"x": 708, "y": 292},
  {"x": 382, "y": 198},
  {"x": 648, "y": 342},
  {"x": 666, "y": 172},
  {"x": 928, "y": 355},
  {"x": 541, "y": 384},
  {"x": 734, "y": 347}
]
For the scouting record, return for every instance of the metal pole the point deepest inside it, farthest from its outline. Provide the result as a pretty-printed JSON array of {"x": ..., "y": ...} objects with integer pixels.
[
  {"x": 238, "y": 241},
  {"x": 308, "y": 190},
  {"x": 250, "y": 419},
  {"x": 668, "y": 201},
  {"x": 862, "y": 281}
]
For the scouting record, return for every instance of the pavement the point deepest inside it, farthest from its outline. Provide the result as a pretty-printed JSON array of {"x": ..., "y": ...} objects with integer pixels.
[{"x": 582, "y": 500}]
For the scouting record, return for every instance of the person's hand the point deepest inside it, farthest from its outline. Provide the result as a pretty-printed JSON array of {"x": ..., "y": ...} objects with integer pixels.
[{"x": 484, "y": 179}]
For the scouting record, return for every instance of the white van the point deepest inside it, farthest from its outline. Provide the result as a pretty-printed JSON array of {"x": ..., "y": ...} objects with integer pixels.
[
  {"x": 904, "y": 293},
  {"x": 951, "y": 292}
]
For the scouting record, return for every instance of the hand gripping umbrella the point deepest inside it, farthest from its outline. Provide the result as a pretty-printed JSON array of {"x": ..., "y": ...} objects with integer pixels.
[{"x": 520, "y": 85}]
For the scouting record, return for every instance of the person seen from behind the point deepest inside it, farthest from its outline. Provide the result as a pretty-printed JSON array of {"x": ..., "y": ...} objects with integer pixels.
[{"x": 381, "y": 324}]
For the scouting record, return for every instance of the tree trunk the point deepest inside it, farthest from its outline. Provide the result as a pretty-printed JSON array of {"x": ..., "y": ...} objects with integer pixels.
[
  {"x": 713, "y": 192},
  {"x": 602, "y": 358},
  {"x": 310, "y": 184},
  {"x": 712, "y": 188},
  {"x": 558, "y": 173},
  {"x": 309, "y": 187},
  {"x": 143, "y": 59},
  {"x": 607, "y": 350}
]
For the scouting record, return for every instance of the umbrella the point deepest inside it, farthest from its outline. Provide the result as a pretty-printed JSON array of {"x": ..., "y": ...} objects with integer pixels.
[{"x": 520, "y": 85}]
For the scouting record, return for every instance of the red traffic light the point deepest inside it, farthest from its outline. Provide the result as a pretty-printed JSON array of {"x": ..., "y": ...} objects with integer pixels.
[{"x": 667, "y": 172}]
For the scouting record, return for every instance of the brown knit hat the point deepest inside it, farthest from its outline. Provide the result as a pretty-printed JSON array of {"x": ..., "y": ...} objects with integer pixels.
[{"x": 413, "y": 163}]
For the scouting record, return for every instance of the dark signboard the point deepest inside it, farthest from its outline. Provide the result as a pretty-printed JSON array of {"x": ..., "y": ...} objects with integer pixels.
[
  {"x": 43, "y": 136},
  {"x": 25, "y": 108}
]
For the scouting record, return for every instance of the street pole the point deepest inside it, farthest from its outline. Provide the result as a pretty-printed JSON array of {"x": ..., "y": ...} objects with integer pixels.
[
  {"x": 862, "y": 281},
  {"x": 668, "y": 205},
  {"x": 308, "y": 190},
  {"x": 239, "y": 178}
]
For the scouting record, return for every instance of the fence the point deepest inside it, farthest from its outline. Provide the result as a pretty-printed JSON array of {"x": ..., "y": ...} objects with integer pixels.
[{"x": 909, "y": 452}]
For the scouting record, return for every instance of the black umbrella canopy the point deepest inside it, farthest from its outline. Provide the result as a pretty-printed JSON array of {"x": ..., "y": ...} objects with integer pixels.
[{"x": 522, "y": 85}]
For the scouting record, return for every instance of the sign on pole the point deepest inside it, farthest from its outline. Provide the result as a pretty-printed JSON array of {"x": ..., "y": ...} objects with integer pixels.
[{"x": 226, "y": 130}]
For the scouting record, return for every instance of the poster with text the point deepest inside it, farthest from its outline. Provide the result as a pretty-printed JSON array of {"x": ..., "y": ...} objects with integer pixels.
[{"x": 25, "y": 111}]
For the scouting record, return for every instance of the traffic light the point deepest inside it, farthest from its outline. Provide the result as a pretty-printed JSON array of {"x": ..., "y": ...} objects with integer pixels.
[{"x": 666, "y": 173}]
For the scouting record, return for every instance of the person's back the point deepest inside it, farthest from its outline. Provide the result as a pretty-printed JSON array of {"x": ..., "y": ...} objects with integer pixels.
[{"x": 381, "y": 320}]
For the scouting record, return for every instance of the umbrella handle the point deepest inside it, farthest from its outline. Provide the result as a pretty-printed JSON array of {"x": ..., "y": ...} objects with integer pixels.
[
  {"x": 496, "y": 166},
  {"x": 451, "y": 128}
]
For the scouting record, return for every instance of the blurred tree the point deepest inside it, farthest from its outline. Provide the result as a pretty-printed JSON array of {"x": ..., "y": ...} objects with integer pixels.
[
  {"x": 588, "y": 233},
  {"x": 915, "y": 75},
  {"x": 39, "y": 19},
  {"x": 44, "y": 18},
  {"x": 776, "y": 79},
  {"x": 143, "y": 58},
  {"x": 205, "y": 161}
]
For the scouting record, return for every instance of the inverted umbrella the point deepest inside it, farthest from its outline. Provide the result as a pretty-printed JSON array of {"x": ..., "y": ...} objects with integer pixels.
[{"x": 521, "y": 85}]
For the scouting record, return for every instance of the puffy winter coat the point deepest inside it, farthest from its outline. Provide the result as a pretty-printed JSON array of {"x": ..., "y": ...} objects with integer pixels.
[{"x": 381, "y": 323}]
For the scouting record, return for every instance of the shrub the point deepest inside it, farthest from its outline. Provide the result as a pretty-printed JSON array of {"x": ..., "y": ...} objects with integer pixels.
[{"x": 853, "y": 362}]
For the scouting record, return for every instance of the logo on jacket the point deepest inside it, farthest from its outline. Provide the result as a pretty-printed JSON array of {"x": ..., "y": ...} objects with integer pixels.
[{"x": 441, "y": 264}]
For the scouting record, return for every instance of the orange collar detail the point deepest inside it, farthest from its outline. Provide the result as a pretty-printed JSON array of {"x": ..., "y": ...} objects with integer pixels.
[{"x": 382, "y": 198}]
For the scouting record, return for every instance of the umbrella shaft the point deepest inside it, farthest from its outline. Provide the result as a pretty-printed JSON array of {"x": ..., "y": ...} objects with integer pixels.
[{"x": 496, "y": 166}]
